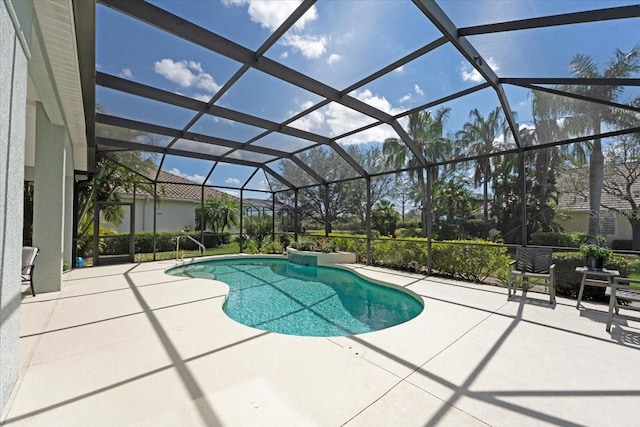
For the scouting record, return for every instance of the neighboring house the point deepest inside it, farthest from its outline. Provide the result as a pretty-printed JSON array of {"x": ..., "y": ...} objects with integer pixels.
[
  {"x": 614, "y": 225},
  {"x": 178, "y": 199}
]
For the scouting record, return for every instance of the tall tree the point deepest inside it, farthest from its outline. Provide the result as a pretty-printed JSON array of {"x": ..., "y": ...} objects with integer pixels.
[
  {"x": 323, "y": 203},
  {"x": 548, "y": 127},
  {"x": 373, "y": 161},
  {"x": 452, "y": 206},
  {"x": 481, "y": 135},
  {"x": 622, "y": 182},
  {"x": 589, "y": 117},
  {"x": 426, "y": 129}
]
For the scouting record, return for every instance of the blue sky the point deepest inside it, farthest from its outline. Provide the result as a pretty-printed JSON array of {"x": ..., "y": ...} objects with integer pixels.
[{"x": 337, "y": 43}]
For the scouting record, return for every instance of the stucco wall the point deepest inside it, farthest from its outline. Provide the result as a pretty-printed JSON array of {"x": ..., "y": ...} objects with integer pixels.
[
  {"x": 13, "y": 95},
  {"x": 579, "y": 221},
  {"x": 172, "y": 215}
]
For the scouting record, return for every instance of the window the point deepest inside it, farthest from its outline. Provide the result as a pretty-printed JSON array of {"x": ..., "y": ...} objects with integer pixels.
[{"x": 607, "y": 226}]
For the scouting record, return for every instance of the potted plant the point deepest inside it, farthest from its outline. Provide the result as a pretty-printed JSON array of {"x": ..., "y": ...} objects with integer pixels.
[{"x": 596, "y": 253}]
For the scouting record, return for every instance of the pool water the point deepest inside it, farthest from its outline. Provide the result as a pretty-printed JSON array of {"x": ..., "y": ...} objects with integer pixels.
[{"x": 278, "y": 296}]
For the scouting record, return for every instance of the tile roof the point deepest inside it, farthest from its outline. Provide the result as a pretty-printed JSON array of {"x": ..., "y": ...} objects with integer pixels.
[
  {"x": 175, "y": 187},
  {"x": 578, "y": 199}
]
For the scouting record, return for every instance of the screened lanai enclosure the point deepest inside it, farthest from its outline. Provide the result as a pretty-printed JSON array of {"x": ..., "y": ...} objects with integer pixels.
[{"x": 388, "y": 128}]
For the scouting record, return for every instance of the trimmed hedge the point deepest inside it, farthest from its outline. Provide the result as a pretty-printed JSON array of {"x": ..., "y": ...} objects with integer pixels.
[
  {"x": 165, "y": 242},
  {"x": 558, "y": 239},
  {"x": 476, "y": 260},
  {"x": 465, "y": 259},
  {"x": 568, "y": 281}
]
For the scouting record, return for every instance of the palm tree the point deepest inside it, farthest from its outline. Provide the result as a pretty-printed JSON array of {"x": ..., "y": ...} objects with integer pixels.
[
  {"x": 426, "y": 130},
  {"x": 482, "y": 137},
  {"x": 590, "y": 116},
  {"x": 548, "y": 127},
  {"x": 385, "y": 217},
  {"x": 219, "y": 212}
]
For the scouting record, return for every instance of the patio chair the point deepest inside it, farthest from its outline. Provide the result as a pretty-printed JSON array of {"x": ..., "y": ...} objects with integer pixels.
[
  {"x": 29, "y": 255},
  {"x": 535, "y": 263}
]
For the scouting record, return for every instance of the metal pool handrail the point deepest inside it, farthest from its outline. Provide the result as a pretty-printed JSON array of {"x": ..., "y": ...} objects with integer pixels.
[{"x": 200, "y": 246}]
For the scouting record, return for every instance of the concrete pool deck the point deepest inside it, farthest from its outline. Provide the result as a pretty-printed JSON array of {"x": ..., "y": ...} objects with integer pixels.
[{"x": 130, "y": 345}]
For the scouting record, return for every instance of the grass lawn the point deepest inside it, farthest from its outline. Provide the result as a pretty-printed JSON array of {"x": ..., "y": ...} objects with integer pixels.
[
  {"x": 633, "y": 268},
  {"x": 230, "y": 248}
]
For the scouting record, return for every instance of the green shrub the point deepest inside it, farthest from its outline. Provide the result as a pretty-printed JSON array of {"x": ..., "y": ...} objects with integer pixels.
[
  {"x": 558, "y": 239},
  {"x": 165, "y": 242},
  {"x": 356, "y": 243},
  {"x": 410, "y": 224},
  {"x": 272, "y": 247},
  {"x": 285, "y": 240},
  {"x": 474, "y": 227},
  {"x": 401, "y": 254},
  {"x": 328, "y": 247},
  {"x": 250, "y": 247},
  {"x": 568, "y": 281},
  {"x": 307, "y": 245},
  {"x": 114, "y": 245},
  {"x": 470, "y": 259},
  {"x": 403, "y": 233}
]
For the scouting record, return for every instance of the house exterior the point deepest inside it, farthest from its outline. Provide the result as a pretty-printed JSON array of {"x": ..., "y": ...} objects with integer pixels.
[
  {"x": 178, "y": 199},
  {"x": 43, "y": 140},
  {"x": 613, "y": 214}
]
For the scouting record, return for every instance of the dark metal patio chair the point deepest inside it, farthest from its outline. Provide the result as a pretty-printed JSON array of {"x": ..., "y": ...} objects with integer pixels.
[{"x": 29, "y": 255}]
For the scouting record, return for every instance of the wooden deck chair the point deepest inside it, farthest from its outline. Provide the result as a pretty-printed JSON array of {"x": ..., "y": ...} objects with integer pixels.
[{"x": 533, "y": 263}]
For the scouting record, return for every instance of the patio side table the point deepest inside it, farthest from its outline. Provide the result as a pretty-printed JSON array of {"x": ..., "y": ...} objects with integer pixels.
[{"x": 601, "y": 278}]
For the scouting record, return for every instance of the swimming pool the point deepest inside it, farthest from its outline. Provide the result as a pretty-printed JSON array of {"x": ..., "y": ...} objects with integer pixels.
[{"x": 275, "y": 295}]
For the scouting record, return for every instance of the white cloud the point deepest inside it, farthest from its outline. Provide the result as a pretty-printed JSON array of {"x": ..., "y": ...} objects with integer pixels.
[
  {"x": 285, "y": 54},
  {"x": 205, "y": 81},
  {"x": 380, "y": 103},
  {"x": 232, "y": 181},
  {"x": 181, "y": 73},
  {"x": 399, "y": 70},
  {"x": 342, "y": 119},
  {"x": 198, "y": 179},
  {"x": 263, "y": 185},
  {"x": 126, "y": 73},
  {"x": 333, "y": 58},
  {"x": 202, "y": 97},
  {"x": 309, "y": 46},
  {"x": 310, "y": 122},
  {"x": 195, "y": 66},
  {"x": 418, "y": 90},
  {"x": 473, "y": 74},
  {"x": 405, "y": 98},
  {"x": 270, "y": 14},
  {"x": 176, "y": 72}
]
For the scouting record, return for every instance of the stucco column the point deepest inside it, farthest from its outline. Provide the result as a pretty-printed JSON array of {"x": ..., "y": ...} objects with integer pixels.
[
  {"x": 49, "y": 202},
  {"x": 14, "y": 55}
]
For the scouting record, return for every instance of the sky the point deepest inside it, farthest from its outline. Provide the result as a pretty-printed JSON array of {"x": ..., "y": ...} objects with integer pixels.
[{"x": 337, "y": 43}]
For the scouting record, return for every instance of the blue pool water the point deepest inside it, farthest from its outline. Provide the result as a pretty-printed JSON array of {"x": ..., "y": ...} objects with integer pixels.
[{"x": 278, "y": 296}]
